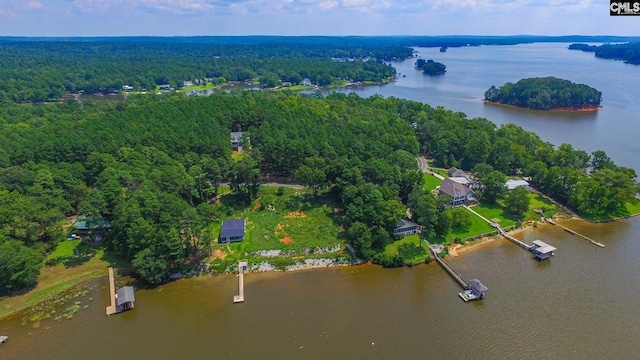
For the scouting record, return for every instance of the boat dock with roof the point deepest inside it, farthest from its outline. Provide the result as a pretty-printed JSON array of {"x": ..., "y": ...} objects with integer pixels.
[{"x": 473, "y": 289}]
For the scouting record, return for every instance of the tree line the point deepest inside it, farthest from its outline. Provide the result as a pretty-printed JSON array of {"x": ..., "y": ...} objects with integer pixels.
[
  {"x": 39, "y": 71},
  {"x": 628, "y": 52}
]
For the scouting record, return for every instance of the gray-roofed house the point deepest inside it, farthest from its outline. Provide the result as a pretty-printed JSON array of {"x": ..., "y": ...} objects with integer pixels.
[
  {"x": 232, "y": 231},
  {"x": 461, "y": 195},
  {"x": 406, "y": 227},
  {"x": 125, "y": 299}
]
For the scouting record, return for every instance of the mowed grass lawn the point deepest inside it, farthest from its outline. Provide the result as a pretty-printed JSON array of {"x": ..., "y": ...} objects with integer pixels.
[
  {"x": 409, "y": 247},
  {"x": 478, "y": 226},
  {"x": 293, "y": 222},
  {"x": 495, "y": 213},
  {"x": 430, "y": 182}
]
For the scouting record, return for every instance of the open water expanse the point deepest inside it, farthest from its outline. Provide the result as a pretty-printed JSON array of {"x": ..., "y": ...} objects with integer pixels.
[{"x": 582, "y": 304}]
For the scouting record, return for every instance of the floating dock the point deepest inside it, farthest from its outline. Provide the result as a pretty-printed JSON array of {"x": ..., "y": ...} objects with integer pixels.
[
  {"x": 576, "y": 233},
  {"x": 242, "y": 267}
]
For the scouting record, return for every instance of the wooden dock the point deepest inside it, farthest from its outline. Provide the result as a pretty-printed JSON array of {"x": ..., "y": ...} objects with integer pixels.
[
  {"x": 242, "y": 267},
  {"x": 509, "y": 237},
  {"x": 576, "y": 233},
  {"x": 449, "y": 269},
  {"x": 111, "y": 309}
]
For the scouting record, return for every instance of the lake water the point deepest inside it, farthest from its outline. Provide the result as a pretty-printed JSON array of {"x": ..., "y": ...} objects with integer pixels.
[
  {"x": 473, "y": 70},
  {"x": 582, "y": 304}
]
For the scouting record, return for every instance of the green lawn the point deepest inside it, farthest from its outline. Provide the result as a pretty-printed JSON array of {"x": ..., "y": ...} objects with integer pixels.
[
  {"x": 207, "y": 86},
  {"x": 495, "y": 213},
  {"x": 443, "y": 172},
  {"x": 293, "y": 222},
  {"x": 538, "y": 202},
  {"x": 430, "y": 182},
  {"x": 478, "y": 226},
  {"x": 409, "y": 248}
]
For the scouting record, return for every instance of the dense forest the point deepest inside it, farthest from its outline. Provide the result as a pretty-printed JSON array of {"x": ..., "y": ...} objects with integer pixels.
[
  {"x": 150, "y": 164},
  {"x": 629, "y": 52},
  {"x": 45, "y": 69},
  {"x": 38, "y": 71},
  {"x": 431, "y": 67},
  {"x": 545, "y": 94}
]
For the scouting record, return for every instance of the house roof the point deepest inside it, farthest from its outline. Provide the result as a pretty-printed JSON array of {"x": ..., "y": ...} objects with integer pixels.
[
  {"x": 83, "y": 224},
  {"x": 454, "y": 171},
  {"x": 232, "y": 228},
  {"x": 405, "y": 223},
  {"x": 125, "y": 295},
  {"x": 478, "y": 285},
  {"x": 453, "y": 188},
  {"x": 542, "y": 247},
  {"x": 512, "y": 184},
  {"x": 461, "y": 180},
  {"x": 236, "y": 136}
]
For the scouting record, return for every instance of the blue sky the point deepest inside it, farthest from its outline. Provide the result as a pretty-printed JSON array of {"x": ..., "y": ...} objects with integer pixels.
[{"x": 311, "y": 17}]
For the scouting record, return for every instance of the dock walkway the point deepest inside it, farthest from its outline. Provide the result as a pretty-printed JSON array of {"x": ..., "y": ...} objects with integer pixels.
[
  {"x": 242, "y": 266},
  {"x": 449, "y": 269},
  {"x": 111, "y": 309},
  {"x": 575, "y": 233},
  {"x": 501, "y": 231}
]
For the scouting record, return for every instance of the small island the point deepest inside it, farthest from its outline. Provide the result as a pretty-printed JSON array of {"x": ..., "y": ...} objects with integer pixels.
[
  {"x": 431, "y": 67},
  {"x": 548, "y": 93}
]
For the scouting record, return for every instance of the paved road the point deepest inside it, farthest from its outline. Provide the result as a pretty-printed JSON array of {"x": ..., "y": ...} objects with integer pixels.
[
  {"x": 275, "y": 184},
  {"x": 424, "y": 167}
]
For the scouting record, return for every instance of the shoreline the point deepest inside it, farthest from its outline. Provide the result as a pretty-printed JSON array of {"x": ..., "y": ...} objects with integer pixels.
[
  {"x": 310, "y": 264},
  {"x": 561, "y": 109}
]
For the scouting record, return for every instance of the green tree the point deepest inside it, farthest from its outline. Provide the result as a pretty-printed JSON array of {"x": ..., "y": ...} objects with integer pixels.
[
  {"x": 460, "y": 219},
  {"x": 493, "y": 186},
  {"x": 152, "y": 268},
  {"x": 517, "y": 201},
  {"x": 312, "y": 174},
  {"x": 19, "y": 266}
]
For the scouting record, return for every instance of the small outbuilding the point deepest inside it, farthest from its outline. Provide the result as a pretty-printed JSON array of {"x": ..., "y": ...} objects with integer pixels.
[
  {"x": 512, "y": 184},
  {"x": 125, "y": 299},
  {"x": 232, "y": 231}
]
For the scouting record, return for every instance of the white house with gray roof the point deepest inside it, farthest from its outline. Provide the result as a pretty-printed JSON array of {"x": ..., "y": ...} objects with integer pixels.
[{"x": 460, "y": 194}]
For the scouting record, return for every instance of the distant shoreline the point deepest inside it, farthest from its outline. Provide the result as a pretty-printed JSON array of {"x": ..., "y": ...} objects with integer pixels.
[{"x": 564, "y": 109}]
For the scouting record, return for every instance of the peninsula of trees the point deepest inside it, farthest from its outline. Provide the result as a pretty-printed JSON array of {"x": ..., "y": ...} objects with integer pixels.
[
  {"x": 548, "y": 93},
  {"x": 430, "y": 67},
  {"x": 628, "y": 52}
]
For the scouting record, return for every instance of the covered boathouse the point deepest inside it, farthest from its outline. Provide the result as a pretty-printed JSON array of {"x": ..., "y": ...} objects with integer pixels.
[
  {"x": 542, "y": 250},
  {"x": 125, "y": 299}
]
